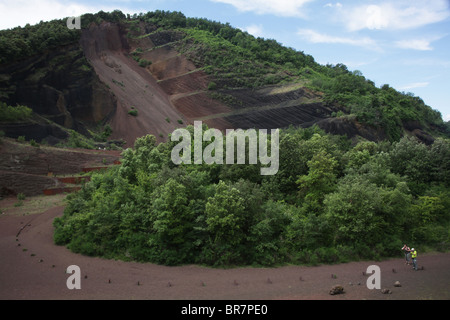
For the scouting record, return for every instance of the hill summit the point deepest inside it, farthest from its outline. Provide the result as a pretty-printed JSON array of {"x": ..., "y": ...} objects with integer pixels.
[{"x": 152, "y": 72}]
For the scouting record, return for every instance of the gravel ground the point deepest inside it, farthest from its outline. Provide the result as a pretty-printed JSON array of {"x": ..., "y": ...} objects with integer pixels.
[{"x": 32, "y": 267}]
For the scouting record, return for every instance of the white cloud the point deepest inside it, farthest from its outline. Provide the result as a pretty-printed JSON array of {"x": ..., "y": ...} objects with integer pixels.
[
  {"x": 255, "y": 30},
  {"x": 316, "y": 37},
  {"x": 414, "y": 85},
  {"x": 417, "y": 44},
  {"x": 427, "y": 62},
  {"x": 447, "y": 117},
  {"x": 284, "y": 8},
  {"x": 395, "y": 15},
  {"x": 20, "y": 12},
  {"x": 422, "y": 45}
]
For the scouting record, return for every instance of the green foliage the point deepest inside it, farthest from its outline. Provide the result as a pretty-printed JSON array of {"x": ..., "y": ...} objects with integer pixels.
[
  {"x": 144, "y": 63},
  {"x": 25, "y": 41},
  {"x": 212, "y": 85},
  {"x": 107, "y": 131},
  {"x": 329, "y": 203},
  {"x": 77, "y": 140},
  {"x": 14, "y": 114},
  {"x": 34, "y": 143},
  {"x": 133, "y": 112}
]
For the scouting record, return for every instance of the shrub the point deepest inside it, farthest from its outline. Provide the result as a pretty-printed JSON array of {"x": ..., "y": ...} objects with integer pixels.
[
  {"x": 21, "y": 139},
  {"x": 144, "y": 63},
  {"x": 133, "y": 112},
  {"x": 18, "y": 203},
  {"x": 212, "y": 85},
  {"x": 11, "y": 114},
  {"x": 21, "y": 196},
  {"x": 34, "y": 143}
]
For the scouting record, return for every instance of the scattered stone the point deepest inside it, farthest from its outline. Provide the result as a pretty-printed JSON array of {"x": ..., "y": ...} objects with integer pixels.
[
  {"x": 236, "y": 283},
  {"x": 169, "y": 284},
  {"x": 397, "y": 284},
  {"x": 386, "y": 291},
  {"x": 337, "y": 290},
  {"x": 269, "y": 281},
  {"x": 394, "y": 271}
]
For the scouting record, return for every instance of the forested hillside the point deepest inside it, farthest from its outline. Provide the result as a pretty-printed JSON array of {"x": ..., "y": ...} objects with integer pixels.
[
  {"x": 235, "y": 59},
  {"x": 335, "y": 198}
]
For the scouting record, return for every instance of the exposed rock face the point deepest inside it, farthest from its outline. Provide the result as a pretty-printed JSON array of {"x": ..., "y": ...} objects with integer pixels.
[
  {"x": 59, "y": 85},
  {"x": 37, "y": 130}
]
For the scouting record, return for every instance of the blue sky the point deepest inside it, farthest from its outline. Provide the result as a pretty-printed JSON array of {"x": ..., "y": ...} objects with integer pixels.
[{"x": 403, "y": 43}]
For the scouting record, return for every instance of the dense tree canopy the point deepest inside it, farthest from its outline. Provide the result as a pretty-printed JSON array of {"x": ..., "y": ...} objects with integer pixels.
[{"x": 329, "y": 202}]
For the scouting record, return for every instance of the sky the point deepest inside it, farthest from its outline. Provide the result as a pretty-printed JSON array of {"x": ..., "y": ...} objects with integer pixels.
[{"x": 403, "y": 43}]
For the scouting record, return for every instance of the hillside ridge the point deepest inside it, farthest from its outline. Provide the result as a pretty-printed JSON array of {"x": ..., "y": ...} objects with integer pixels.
[{"x": 170, "y": 70}]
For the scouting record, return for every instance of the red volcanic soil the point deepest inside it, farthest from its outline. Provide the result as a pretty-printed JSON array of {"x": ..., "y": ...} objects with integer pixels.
[
  {"x": 32, "y": 267},
  {"x": 107, "y": 50}
]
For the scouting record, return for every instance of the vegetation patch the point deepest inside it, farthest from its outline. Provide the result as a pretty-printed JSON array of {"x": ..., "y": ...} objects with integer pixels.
[
  {"x": 328, "y": 203},
  {"x": 14, "y": 114}
]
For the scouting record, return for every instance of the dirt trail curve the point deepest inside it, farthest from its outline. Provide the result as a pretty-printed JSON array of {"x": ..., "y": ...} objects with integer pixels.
[{"x": 32, "y": 267}]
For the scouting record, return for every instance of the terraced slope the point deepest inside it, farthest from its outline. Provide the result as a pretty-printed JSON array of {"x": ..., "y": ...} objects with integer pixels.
[{"x": 187, "y": 87}]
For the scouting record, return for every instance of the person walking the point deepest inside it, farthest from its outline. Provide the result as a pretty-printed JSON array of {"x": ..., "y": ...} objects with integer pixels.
[
  {"x": 414, "y": 258},
  {"x": 407, "y": 251}
]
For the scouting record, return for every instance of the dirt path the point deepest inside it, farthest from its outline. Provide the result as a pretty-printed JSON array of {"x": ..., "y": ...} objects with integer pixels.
[{"x": 32, "y": 267}]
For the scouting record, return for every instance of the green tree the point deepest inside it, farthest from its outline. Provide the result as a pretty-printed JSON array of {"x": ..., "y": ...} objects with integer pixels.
[
  {"x": 319, "y": 181},
  {"x": 225, "y": 216}
]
